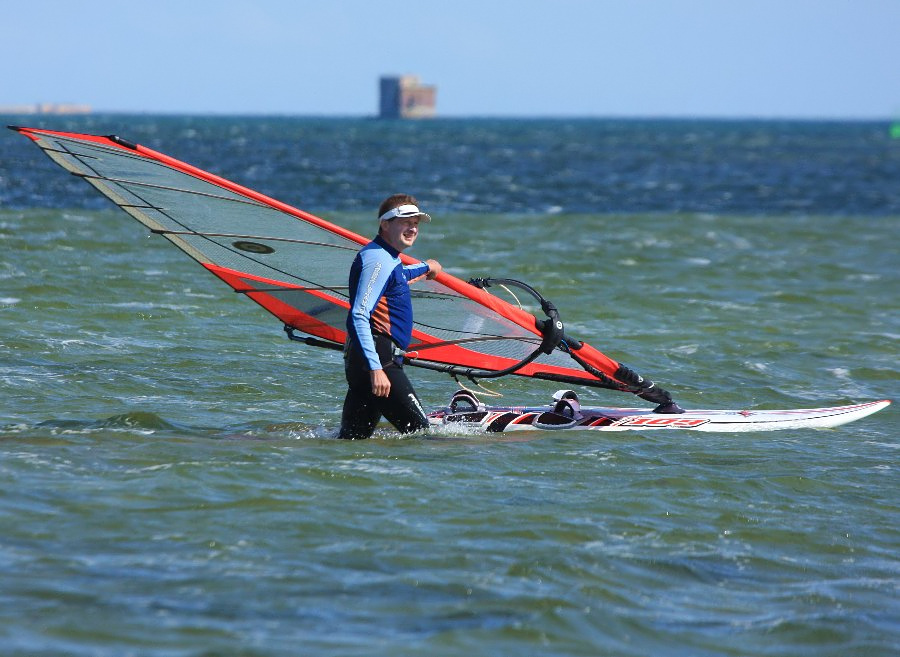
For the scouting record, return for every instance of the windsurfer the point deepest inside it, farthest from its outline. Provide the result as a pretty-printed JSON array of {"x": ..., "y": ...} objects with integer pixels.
[{"x": 379, "y": 325}]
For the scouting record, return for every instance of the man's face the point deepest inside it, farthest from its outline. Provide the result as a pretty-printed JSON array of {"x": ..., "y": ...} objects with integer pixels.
[{"x": 401, "y": 232}]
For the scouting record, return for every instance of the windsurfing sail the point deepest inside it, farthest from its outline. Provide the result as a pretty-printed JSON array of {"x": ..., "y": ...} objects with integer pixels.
[{"x": 295, "y": 265}]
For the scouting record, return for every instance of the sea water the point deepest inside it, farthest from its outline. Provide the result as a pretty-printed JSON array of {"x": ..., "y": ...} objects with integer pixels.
[{"x": 170, "y": 484}]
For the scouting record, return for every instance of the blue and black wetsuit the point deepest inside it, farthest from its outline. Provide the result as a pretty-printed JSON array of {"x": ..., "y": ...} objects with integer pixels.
[{"x": 379, "y": 325}]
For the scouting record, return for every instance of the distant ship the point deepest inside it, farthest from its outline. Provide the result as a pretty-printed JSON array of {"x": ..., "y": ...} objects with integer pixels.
[{"x": 404, "y": 97}]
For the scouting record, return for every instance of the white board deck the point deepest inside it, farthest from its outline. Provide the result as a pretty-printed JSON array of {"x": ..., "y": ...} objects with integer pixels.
[{"x": 481, "y": 418}]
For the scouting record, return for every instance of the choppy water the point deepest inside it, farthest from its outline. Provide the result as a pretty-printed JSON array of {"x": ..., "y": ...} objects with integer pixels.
[{"x": 169, "y": 484}]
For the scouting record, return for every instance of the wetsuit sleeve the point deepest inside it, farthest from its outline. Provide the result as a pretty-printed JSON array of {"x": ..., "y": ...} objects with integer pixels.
[
  {"x": 412, "y": 272},
  {"x": 373, "y": 279}
]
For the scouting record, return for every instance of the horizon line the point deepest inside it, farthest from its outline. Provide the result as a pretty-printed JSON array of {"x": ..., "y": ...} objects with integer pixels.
[{"x": 439, "y": 117}]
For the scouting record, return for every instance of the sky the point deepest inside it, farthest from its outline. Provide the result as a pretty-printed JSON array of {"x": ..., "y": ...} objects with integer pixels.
[{"x": 818, "y": 59}]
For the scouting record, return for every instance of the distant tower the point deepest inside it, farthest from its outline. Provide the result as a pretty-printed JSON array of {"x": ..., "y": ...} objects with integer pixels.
[{"x": 404, "y": 97}]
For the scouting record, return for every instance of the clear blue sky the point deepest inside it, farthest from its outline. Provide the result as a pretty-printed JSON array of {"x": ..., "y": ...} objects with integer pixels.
[{"x": 704, "y": 58}]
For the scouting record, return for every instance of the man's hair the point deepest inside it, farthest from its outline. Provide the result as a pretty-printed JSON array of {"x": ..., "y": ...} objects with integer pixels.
[{"x": 395, "y": 201}]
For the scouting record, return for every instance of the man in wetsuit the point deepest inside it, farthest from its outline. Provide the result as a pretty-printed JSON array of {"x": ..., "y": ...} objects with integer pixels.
[{"x": 379, "y": 325}]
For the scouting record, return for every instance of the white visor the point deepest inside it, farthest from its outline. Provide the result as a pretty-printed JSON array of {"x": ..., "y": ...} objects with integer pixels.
[{"x": 404, "y": 211}]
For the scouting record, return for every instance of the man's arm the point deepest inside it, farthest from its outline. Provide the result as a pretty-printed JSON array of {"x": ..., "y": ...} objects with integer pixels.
[
  {"x": 373, "y": 279},
  {"x": 429, "y": 269}
]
